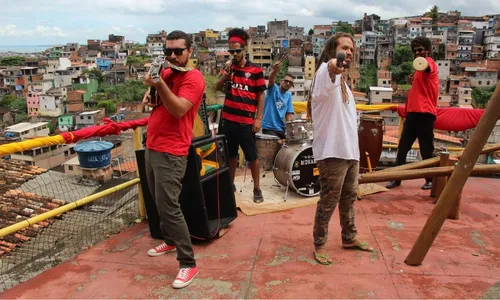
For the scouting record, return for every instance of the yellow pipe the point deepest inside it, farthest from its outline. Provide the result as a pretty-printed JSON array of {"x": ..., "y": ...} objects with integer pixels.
[
  {"x": 369, "y": 162},
  {"x": 142, "y": 205},
  {"x": 60, "y": 210}
]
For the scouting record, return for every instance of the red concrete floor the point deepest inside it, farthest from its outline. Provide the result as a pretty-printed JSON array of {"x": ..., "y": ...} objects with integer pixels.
[{"x": 270, "y": 256}]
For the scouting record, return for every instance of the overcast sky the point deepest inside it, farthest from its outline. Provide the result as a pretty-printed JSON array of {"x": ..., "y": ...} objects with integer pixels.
[{"x": 45, "y": 22}]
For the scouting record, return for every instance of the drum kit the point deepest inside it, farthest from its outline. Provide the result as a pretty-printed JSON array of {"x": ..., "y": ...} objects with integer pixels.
[{"x": 292, "y": 160}]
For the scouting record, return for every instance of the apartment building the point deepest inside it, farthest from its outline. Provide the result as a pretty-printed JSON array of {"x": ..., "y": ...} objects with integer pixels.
[{"x": 26, "y": 130}]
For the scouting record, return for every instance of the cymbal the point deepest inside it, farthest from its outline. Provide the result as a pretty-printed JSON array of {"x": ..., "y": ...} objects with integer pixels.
[{"x": 420, "y": 64}]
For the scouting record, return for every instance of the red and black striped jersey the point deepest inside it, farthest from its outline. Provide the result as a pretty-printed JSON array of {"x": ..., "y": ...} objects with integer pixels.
[{"x": 242, "y": 92}]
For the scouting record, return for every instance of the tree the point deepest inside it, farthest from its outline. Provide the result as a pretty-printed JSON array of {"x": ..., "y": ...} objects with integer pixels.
[
  {"x": 402, "y": 64},
  {"x": 7, "y": 100},
  {"x": 12, "y": 61},
  {"x": 345, "y": 27},
  {"x": 20, "y": 107},
  {"x": 367, "y": 77},
  {"x": 481, "y": 96},
  {"x": 109, "y": 106},
  {"x": 129, "y": 91},
  {"x": 94, "y": 72},
  {"x": 434, "y": 14},
  {"x": 283, "y": 70},
  {"x": 136, "y": 60},
  {"x": 311, "y": 31}
]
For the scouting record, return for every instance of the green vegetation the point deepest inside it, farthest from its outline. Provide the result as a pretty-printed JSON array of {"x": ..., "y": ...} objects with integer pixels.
[
  {"x": 402, "y": 64},
  {"x": 283, "y": 70},
  {"x": 481, "y": 96},
  {"x": 129, "y": 91},
  {"x": 109, "y": 106},
  {"x": 16, "y": 104},
  {"x": 94, "y": 73},
  {"x": 210, "y": 84},
  {"x": 344, "y": 27},
  {"x": 12, "y": 61},
  {"x": 367, "y": 77}
]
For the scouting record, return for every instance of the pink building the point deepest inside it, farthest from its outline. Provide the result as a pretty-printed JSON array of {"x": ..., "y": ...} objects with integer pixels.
[{"x": 33, "y": 103}]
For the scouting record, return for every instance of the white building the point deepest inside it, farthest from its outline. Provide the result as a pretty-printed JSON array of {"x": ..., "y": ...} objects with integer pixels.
[
  {"x": 28, "y": 130},
  {"x": 380, "y": 94}
]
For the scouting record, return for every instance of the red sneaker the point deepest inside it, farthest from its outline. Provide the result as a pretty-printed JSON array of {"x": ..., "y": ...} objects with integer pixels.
[
  {"x": 161, "y": 249},
  {"x": 185, "y": 277}
]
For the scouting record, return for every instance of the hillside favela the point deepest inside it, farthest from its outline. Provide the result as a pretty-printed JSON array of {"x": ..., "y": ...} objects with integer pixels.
[{"x": 287, "y": 158}]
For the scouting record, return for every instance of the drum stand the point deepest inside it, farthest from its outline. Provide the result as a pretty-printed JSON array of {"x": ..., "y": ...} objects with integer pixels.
[{"x": 245, "y": 164}]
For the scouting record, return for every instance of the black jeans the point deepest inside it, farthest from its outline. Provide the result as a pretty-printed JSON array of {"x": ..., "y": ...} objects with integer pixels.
[
  {"x": 164, "y": 173},
  {"x": 421, "y": 126}
]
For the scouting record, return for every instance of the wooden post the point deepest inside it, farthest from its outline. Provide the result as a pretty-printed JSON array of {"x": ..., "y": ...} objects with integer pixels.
[
  {"x": 455, "y": 208},
  {"x": 441, "y": 180},
  {"x": 434, "y": 161},
  {"x": 456, "y": 182}
]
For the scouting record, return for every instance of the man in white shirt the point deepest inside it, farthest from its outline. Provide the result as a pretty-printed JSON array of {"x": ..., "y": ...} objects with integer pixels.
[{"x": 335, "y": 146}]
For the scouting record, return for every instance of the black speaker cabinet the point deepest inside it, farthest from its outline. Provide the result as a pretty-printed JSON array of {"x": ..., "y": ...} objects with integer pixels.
[
  {"x": 207, "y": 198},
  {"x": 151, "y": 211}
]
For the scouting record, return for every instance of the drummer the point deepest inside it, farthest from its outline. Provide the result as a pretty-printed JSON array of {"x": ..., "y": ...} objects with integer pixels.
[{"x": 277, "y": 104}]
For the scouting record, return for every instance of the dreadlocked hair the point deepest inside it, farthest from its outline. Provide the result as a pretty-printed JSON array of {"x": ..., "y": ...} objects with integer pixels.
[{"x": 329, "y": 52}]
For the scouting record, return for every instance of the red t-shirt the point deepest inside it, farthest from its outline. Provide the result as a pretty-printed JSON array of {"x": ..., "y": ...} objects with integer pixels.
[
  {"x": 167, "y": 133},
  {"x": 424, "y": 91}
]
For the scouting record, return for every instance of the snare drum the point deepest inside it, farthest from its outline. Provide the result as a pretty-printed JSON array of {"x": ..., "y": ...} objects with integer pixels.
[
  {"x": 267, "y": 148},
  {"x": 299, "y": 131}
]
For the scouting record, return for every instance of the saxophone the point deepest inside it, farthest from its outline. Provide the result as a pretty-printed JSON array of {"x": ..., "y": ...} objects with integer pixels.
[{"x": 158, "y": 64}]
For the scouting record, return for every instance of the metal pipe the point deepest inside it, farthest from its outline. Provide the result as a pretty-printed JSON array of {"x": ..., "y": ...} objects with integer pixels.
[
  {"x": 60, "y": 210},
  {"x": 142, "y": 205}
]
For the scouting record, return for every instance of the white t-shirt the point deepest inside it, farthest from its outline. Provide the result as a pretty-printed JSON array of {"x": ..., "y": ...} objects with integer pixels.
[{"x": 335, "y": 122}]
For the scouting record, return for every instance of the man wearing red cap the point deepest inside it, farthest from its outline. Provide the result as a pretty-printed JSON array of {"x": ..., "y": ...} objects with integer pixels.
[{"x": 243, "y": 106}]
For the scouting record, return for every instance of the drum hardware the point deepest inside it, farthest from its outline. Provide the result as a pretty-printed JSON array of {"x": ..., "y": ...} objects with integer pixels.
[{"x": 245, "y": 165}]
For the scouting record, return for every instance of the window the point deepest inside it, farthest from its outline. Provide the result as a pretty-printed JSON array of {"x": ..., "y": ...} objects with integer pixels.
[{"x": 70, "y": 168}]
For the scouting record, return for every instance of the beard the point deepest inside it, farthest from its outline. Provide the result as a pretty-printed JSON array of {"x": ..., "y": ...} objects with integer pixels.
[{"x": 176, "y": 62}]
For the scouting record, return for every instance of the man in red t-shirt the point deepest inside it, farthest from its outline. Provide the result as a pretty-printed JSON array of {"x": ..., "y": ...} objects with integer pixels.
[
  {"x": 243, "y": 107},
  {"x": 421, "y": 109},
  {"x": 169, "y": 136}
]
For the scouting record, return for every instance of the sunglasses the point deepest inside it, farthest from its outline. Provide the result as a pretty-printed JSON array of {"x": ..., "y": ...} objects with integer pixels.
[
  {"x": 233, "y": 51},
  {"x": 418, "y": 50},
  {"x": 176, "y": 51},
  {"x": 288, "y": 82}
]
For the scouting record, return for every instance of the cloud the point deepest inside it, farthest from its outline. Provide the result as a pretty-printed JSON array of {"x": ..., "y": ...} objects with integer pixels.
[
  {"x": 13, "y": 30},
  {"x": 57, "y": 21}
]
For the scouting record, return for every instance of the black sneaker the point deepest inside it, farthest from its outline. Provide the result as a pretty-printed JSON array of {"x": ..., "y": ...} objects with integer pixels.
[
  {"x": 427, "y": 186},
  {"x": 393, "y": 184},
  {"x": 257, "y": 196}
]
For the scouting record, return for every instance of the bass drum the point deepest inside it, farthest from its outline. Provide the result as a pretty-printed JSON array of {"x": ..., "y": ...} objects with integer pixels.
[{"x": 295, "y": 166}]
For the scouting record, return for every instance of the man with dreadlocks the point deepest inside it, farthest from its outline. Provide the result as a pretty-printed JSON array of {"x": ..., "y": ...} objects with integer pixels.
[
  {"x": 335, "y": 145},
  {"x": 243, "y": 107}
]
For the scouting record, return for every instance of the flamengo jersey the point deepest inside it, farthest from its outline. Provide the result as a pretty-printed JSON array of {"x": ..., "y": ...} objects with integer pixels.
[{"x": 242, "y": 92}]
